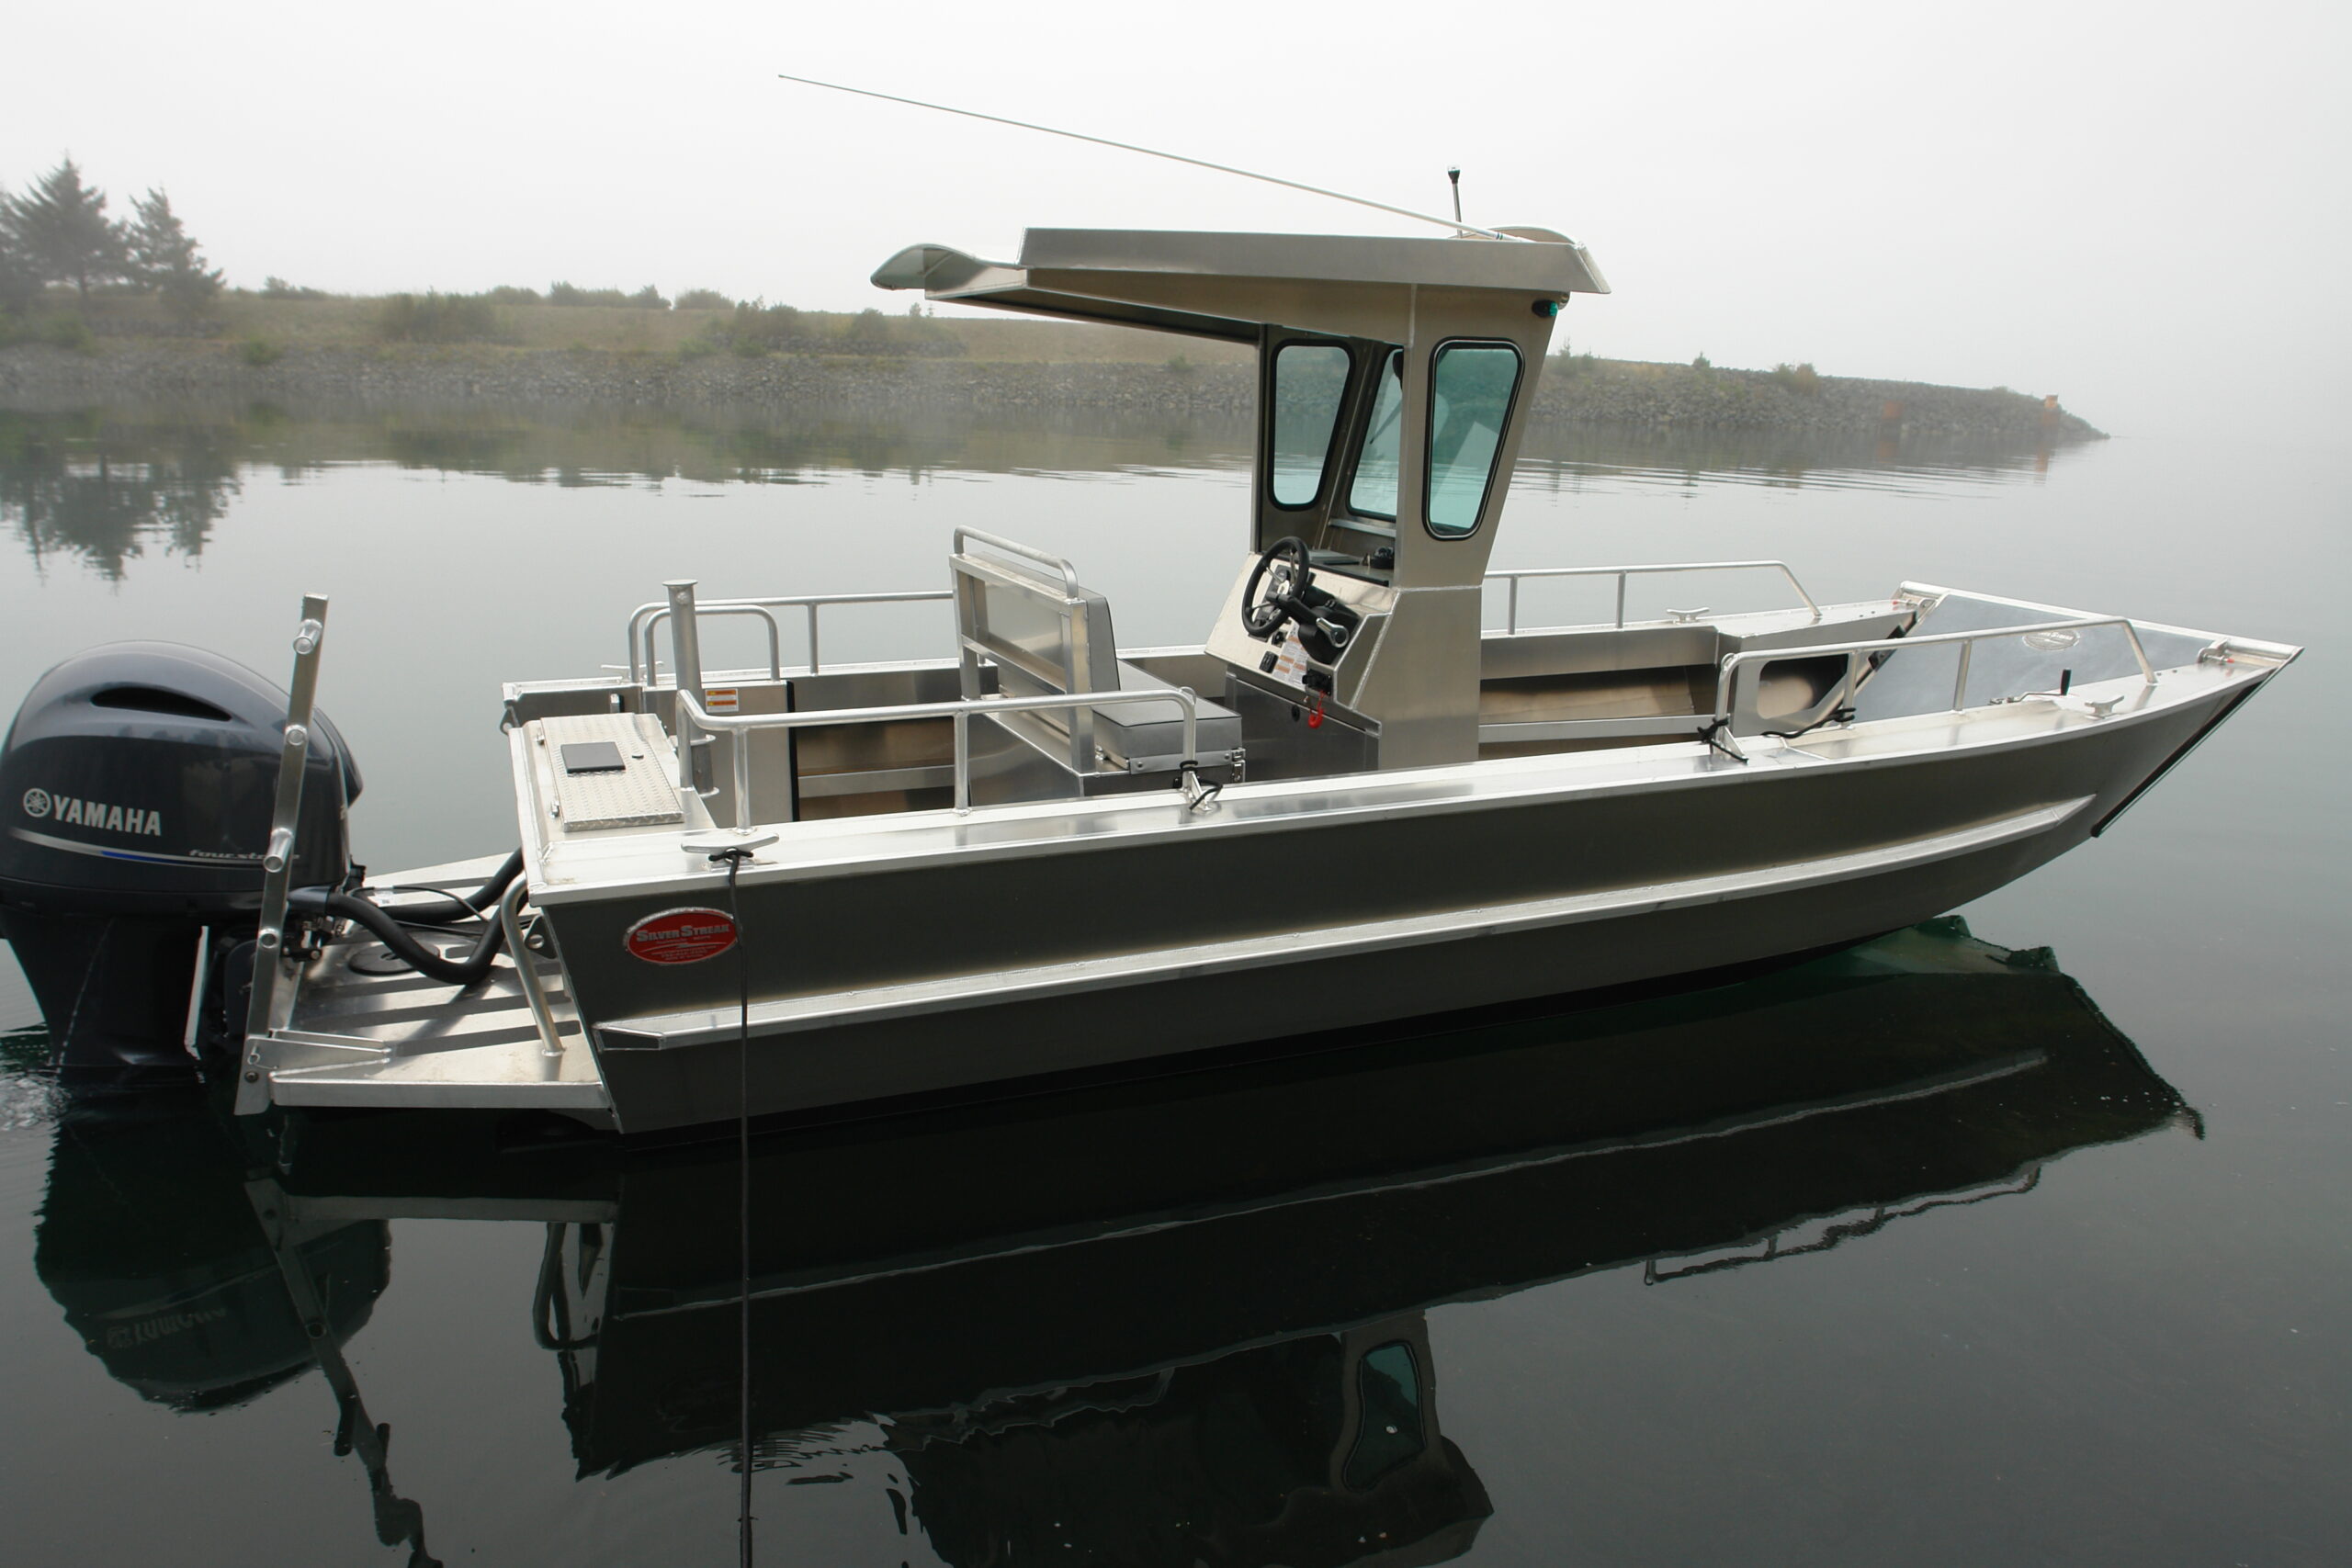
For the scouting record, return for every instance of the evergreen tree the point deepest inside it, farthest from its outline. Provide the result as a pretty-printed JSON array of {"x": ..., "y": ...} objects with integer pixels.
[
  {"x": 19, "y": 280},
  {"x": 163, "y": 257},
  {"x": 61, "y": 227}
]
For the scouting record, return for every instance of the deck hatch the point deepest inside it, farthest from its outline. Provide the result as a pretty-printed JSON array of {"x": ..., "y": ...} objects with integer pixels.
[{"x": 637, "y": 791}]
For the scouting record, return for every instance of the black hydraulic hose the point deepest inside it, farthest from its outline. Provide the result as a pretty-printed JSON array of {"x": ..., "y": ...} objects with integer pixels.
[
  {"x": 465, "y": 905},
  {"x": 482, "y": 897},
  {"x": 380, "y": 924}
]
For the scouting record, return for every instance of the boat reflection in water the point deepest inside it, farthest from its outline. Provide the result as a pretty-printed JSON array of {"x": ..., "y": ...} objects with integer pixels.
[{"x": 1176, "y": 1321}]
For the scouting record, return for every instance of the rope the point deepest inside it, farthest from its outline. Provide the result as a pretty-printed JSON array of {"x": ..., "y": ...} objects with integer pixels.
[{"x": 735, "y": 859}]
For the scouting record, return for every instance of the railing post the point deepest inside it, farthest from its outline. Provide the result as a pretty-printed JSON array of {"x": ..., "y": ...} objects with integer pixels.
[
  {"x": 686, "y": 657},
  {"x": 271, "y": 970},
  {"x": 962, "y": 721},
  {"x": 812, "y": 636},
  {"x": 1960, "y": 683},
  {"x": 1511, "y": 616},
  {"x": 535, "y": 991},
  {"x": 1621, "y": 600}
]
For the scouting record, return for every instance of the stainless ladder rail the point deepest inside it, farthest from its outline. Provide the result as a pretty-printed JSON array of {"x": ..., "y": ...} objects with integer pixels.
[
  {"x": 1621, "y": 573},
  {"x": 274, "y": 974}
]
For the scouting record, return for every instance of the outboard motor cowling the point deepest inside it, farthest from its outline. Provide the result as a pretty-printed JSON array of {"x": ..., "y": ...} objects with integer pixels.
[{"x": 137, "y": 786}]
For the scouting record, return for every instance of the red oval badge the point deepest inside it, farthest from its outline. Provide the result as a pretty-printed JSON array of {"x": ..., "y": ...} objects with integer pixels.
[{"x": 680, "y": 936}]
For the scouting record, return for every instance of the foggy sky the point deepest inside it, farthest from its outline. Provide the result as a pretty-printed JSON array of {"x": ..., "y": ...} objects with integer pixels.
[{"x": 2138, "y": 207}]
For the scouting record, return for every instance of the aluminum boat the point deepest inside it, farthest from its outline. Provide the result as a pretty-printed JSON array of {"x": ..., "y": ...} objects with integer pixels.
[{"x": 1036, "y": 852}]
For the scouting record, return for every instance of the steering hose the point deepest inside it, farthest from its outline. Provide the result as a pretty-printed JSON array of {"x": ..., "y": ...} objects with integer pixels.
[
  {"x": 389, "y": 930},
  {"x": 464, "y": 905}
]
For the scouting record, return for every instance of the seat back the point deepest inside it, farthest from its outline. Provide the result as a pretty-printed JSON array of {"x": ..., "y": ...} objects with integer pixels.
[{"x": 1024, "y": 612}]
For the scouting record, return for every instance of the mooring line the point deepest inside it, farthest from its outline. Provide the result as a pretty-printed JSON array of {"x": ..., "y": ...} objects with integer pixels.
[{"x": 735, "y": 859}]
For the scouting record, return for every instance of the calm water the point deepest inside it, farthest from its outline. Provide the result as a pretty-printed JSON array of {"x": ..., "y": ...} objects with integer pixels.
[{"x": 2023, "y": 1246}]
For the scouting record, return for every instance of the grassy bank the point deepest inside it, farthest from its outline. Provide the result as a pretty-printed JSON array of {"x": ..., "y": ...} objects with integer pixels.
[{"x": 481, "y": 348}]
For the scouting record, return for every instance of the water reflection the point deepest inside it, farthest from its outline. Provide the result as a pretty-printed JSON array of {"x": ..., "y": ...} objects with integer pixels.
[
  {"x": 1180, "y": 1321},
  {"x": 68, "y": 486},
  {"x": 1580, "y": 460},
  {"x": 108, "y": 484}
]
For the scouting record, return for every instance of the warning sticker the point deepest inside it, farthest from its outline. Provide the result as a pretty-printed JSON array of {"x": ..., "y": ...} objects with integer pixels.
[
  {"x": 723, "y": 699},
  {"x": 1291, "y": 664}
]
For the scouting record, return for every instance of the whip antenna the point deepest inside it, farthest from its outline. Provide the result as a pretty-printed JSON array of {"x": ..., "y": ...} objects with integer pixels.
[{"x": 1454, "y": 222}]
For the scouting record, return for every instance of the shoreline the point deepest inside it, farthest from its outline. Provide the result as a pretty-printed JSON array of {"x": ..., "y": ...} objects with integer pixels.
[{"x": 1572, "y": 393}]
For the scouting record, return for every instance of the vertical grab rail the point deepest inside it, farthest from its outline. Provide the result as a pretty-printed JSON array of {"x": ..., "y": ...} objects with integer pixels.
[
  {"x": 685, "y": 653},
  {"x": 273, "y": 970}
]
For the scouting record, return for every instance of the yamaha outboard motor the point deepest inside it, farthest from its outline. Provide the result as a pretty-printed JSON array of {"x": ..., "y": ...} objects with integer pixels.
[{"x": 136, "y": 789}]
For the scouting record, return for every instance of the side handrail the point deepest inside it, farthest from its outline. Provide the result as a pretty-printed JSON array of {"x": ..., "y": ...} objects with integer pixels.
[
  {"x": 1856, "y": 654},
  {"x": 695, "y": 717},
  {"x": 644, "y": 664},
  {"x": 1510, "y": 614},
  {"x": 1026, "y": 552}
]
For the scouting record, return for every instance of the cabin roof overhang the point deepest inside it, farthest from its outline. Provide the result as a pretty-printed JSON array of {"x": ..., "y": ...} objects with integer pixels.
[{"x": 1234, "y": 286}]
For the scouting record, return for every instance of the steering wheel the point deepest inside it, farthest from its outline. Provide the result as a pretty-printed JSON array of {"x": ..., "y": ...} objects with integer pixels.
[{"x": 1283, "y": 573}]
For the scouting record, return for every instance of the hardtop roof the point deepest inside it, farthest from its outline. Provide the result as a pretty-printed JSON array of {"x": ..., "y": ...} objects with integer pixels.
[{"x": 1233, "y": 285}]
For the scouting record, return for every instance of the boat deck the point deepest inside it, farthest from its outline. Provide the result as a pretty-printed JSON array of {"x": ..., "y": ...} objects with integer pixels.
[{"x": 365, "y": 1032}]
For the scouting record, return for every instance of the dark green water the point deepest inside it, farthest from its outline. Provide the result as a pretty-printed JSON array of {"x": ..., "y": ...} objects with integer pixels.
[{"x": 2029, "y": 1246}]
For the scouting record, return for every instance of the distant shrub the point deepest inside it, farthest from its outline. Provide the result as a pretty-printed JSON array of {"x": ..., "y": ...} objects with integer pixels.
[
  {"x": 1700, "y": 361},
  {"x": 645, "y": 299},
  {"x": 438, "y": 318},
  {"x": 697, "y": 347},
  {"x": 867, "y": 331},
  {"x": 278, "y": 288},
  {"x": 67, "y": 330},
  {"x": 511, "y": 294},
  {"x": 1177, "y": 364},
  {"x": 1801, "y": 379},
  {"x": 758, "y": 328},
  {"x": 260, "y": 351},
  {"x": 702, "y": 300}
]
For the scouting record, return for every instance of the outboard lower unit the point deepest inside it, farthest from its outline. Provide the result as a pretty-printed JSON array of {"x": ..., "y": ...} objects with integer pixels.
[{"x": 137, "y": 784}]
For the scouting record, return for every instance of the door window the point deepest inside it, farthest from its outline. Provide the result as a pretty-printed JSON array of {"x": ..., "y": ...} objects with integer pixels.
[{"x": 1470, "y": 392}]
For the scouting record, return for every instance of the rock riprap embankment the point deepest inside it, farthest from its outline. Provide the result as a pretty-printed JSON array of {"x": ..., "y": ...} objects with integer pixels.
[{"x": 1603, "y": 393}]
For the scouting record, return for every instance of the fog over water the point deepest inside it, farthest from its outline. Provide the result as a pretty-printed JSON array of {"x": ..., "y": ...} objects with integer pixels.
[
  {"x": 2135, "y": 208},
  {"x": 2017, "y": 1237}
]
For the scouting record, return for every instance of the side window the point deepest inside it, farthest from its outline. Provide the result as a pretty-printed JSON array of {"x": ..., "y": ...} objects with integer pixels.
[
  {"x": 1310, "y": 381},
  {"x": 1374, "y": 494},
  {"x": 1470, "y": 392}
]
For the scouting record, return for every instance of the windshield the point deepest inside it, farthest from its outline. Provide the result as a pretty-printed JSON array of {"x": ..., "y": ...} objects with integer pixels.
[{"x": 1310, "y": 379}]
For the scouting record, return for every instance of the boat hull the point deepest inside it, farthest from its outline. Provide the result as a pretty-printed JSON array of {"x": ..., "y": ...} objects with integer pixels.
[{"x": 959, "y": 972}]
